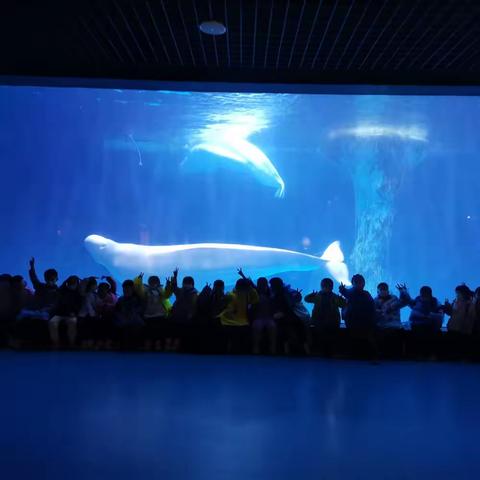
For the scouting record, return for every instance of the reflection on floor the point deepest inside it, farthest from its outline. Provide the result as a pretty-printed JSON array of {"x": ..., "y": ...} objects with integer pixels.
[{"x": 128, "y": 416}]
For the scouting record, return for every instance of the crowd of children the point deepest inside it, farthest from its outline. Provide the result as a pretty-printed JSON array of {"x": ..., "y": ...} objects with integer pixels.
[{"x": 264, "y": 316}]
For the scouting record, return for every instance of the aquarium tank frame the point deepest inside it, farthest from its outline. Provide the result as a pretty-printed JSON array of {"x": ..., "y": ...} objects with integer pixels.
[{"x": 200, "y": 86}]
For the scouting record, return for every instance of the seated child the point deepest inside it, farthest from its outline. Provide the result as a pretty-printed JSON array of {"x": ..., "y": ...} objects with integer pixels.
[
  {"x": 426, "y": 315},
  {"x": 66, "y": 310},
  {"x": 387, "y": 309},
  {"x": 461, "y": 321}
]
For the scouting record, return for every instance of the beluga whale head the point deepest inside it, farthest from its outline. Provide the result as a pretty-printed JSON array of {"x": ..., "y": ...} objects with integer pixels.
[{"x": 100, "y": 248}]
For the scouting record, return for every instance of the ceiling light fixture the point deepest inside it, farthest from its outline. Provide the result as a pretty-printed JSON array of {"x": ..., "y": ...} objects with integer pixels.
[{"x": 212, "y": 27}]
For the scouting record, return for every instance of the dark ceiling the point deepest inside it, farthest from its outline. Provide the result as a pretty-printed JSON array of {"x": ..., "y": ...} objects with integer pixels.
[{"x": 286, "y": 41}]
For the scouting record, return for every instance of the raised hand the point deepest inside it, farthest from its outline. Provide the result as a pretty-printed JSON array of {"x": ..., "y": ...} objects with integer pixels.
[
  {"x": 141, "y": 275},
  {"x": 240, "y": 272},
  {"x": 175, "y": 273},
  {"x": 401, "y": 287},
  {"x": 32, "y": 262}
]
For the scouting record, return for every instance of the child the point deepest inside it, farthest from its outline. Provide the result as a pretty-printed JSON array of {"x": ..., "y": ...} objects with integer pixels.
[
  {"x": 460, "y": 321},
  {"x": 475, "y": 312},
  {"x": 426, "y": 319},
  {"x": 105, "y": 312},
  {"x": 210, "y": 304},
  {"x": 87, "y": 316},
  {"x": 22, "y": 296},
  {"x": 234, "y": 318},
  {"x": 359, "y": 313},
  {"x": 326, "y": 305},
  {"x": 128, "y": 316},
  {"x": 183, "y": 312},
  {"x": 325, "y": 315},
  {"x": 66, "y": 310},
  {"x": 426, "y": 315},
  {"x": 290, "y": 326},
  {"x": 359, "y": 316},
  {"x": 22, "y": 299},
  {"x": 156, "y": 309},
  {"x": 6, "y": 308},
  {"x": 263, "y": 319},
  {"x": 387, "y": 308},
  {"x": 40, "y": 308}
]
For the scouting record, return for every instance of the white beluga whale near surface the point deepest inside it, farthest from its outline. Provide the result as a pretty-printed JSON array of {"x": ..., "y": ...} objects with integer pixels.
[
  {"x": 226, "y": 137},
  {"x": 209, "y": 261},
  {"x": 242, "y": 151}
]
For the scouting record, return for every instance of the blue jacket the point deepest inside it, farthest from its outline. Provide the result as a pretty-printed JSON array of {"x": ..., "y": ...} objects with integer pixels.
[{"x": 425, "y": 312}]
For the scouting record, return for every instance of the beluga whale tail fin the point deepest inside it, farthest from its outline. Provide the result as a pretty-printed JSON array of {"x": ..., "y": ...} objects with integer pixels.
[
  {"x": 336, "y": 265},
  {"x": 280, "y": 193},
  {"x": 333, "y": 253}
]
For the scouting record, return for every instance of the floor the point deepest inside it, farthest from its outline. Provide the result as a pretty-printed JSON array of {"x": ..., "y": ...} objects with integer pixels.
[{"x": 128, "y": 416}]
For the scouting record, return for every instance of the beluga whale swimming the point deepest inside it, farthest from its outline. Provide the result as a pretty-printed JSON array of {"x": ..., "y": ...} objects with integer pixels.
[
  {"x": 209, "y": 261},
  {"x": 225, "y": 141},
  {"x": 243, "y": 152}
]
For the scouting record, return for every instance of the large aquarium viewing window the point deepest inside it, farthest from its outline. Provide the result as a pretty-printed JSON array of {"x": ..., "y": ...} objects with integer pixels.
[{"x": 301, "y": 186}]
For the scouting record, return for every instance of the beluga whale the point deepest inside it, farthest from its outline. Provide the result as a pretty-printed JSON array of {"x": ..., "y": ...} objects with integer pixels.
[
  {"x": 209, "y": 261},
  {"x": 241, "y": 151},
  {"x": 225, "y": 141}
]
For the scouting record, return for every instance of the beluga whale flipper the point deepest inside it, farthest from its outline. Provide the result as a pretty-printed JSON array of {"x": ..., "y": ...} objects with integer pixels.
[{"x": 209, "y": 261}]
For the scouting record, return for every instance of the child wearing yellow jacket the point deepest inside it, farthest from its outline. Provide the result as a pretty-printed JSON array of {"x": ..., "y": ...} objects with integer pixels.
[{"x": 234, "y": 318}]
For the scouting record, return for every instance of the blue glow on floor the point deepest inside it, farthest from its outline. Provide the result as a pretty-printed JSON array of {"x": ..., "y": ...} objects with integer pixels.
[{"x": 124, "y": 416}]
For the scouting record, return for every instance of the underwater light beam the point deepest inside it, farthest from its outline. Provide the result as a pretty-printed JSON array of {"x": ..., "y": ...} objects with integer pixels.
[{"x": 377, "y": 157}]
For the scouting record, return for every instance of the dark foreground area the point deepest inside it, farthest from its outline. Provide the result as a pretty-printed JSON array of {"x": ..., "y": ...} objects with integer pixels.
[{"x": 144, "y": 415}]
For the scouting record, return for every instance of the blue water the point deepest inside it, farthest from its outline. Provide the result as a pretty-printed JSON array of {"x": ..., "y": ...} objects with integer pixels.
[{"x": 393, "y": 178}]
